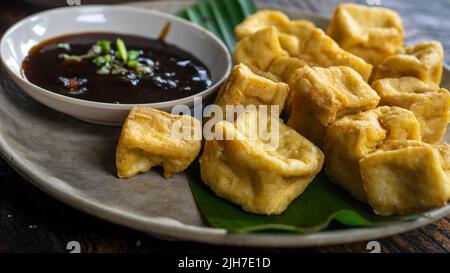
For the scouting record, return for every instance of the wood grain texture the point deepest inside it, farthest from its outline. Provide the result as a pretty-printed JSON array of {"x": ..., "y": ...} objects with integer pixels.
[{"x": 31, "y": 221}]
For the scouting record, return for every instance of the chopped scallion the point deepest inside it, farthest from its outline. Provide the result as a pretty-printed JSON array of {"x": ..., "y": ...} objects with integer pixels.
[
  {"x": 133, "y": 64},
  {"x": 104, "y": 70},
  {"x": 95, "y": 50},
  {"x": 133, "y": 54},
  {"x": 119, "y": 61},
  {"x": 121, "y": 48},
  {"x": 99, "y": 61},
  {"x": 105, "y": 45},
  {"x": 108, "y": 58}
]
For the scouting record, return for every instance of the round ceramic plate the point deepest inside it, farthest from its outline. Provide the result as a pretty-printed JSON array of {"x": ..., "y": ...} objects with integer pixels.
[{"x": 74, "y": 162}]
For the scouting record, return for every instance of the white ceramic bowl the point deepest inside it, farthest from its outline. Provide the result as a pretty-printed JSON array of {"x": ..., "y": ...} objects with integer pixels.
[{"x": 25, "y": 34}]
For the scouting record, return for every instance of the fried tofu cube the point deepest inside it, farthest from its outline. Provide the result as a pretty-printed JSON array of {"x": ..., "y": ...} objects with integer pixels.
[
  {"x": 259, "y": 50},
  {"x": 270, "y": 18},
  {"x": 320, "y": 50},
  {"x": 284, "y": 67},
  {"x": 320, "y": 96},
  {"x": 151, "y": 138},
  {"x": 406, "y": 177},
  {"x": 294, "y": 39},
  {"x": 260, "y": 20},
  {"x": 289, "y": 43},
  {"x": 368, "y": 32},
  {"x": 429, "y": 103},
  {"x": 303, "y": 119},
  {"x": 353, "y": 137},
  {"x": 300, "y": 29},
  {"x": 423, "y": 61},
  {"x": 243, "y": 87},
  {"x": 261, "y": 178},
  {"x": 370, "y": 55}
]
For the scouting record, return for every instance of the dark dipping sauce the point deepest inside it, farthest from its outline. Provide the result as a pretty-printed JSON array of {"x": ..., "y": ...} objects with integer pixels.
[{"x": 175, "y": 72}]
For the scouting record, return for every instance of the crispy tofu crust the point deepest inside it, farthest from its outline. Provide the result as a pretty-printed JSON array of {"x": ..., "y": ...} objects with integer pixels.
[
  {"x": 353, "y": 137},
  {"x": 371, "y": 33},
  {"x": 243, "y": 87},
  {"x": 320, "y": 96},
  {"x": 146, "y": 141},
  {"x": 422, "y": 61},
  {"x": 268, "y": 36},
  {"x": 406, "y": 176},
  {"x": 429, "y": 103},
  {"x": 261, "y": 178}
]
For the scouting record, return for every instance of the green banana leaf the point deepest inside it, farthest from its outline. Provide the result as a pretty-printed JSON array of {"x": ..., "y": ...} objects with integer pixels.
[
  {"x": 314, "y": 210},
  {"x": 321, "y": 204},
  {"x": 219, "y": 16}
]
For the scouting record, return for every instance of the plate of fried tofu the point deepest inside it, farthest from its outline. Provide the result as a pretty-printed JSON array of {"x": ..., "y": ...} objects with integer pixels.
[{"x": 345, "y": 97}]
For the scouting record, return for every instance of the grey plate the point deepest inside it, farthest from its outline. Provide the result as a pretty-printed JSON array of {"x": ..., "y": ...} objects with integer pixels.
[{"x": 74, "y": 162}]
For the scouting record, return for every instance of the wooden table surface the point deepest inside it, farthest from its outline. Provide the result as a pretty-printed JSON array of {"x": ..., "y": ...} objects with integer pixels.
[{"x": 31, "y": 221}]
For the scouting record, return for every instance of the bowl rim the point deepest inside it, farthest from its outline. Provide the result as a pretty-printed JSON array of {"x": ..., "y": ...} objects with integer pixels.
[{"x": 105, "y": 105}]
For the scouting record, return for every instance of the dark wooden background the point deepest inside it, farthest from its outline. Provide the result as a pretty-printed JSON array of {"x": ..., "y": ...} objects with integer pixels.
[{"x": 31, "y": 221}]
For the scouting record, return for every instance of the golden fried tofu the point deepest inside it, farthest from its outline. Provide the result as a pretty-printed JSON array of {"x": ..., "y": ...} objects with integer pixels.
[
  {"x": 308, "y": 44},
  {"x": 406, "y": 176},
  {"x": 261, "y": 178},
  {"x": 271, "y": 18},
  {"x": 368, "y": 32},
  {"x": 319, "y": 96},
  {"x": 300, "y": 29},
  {"x": 284, "y": 67},
  {"x": 370, "y": 55},
  {"x": 423, "y": 61},
  {"x": 429, "y": 103},
  {"x": 353, "y": 137},
  {"x": 260, "y": 20},
  {"x": 259, "y": 50},
  {"x": 289, "y": 43},
  {"x": 243, "y": 87},
  {"x": 321, "y": 50},
  {"x": 155, "y": 138}
]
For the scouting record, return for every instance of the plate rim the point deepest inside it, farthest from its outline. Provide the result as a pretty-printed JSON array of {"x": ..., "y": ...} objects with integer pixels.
[{"x": 173, "y": 229}]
